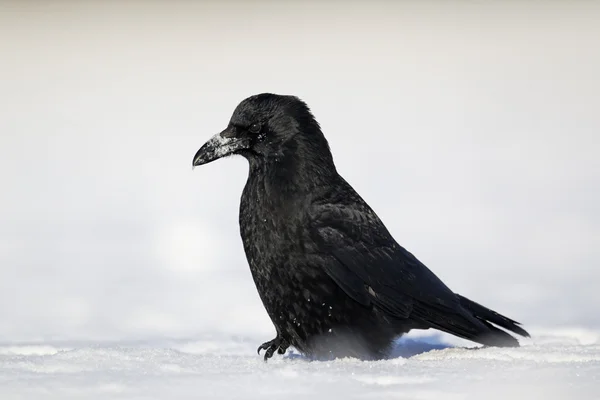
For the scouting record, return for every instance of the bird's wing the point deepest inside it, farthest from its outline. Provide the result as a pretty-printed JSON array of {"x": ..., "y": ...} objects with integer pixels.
[
  {"x": 361, "y": 256},
  {"x": 368, "y": 264}
]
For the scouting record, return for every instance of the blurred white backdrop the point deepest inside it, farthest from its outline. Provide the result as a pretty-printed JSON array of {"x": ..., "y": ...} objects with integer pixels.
[{"x": 471, "y": 127}]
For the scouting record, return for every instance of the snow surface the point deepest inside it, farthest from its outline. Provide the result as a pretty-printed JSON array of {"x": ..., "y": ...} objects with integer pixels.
[{"x": 228, "y": 368}]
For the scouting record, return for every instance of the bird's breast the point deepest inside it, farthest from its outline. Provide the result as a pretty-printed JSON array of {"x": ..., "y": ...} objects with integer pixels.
[{"x": 270, "y": 236}]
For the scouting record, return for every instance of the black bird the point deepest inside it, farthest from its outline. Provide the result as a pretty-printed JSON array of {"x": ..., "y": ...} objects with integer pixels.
[{"x": 332, "y": 278}]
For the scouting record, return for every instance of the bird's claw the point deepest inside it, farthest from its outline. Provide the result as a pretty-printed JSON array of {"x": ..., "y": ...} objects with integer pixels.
[{"x": 278, "y": 344}]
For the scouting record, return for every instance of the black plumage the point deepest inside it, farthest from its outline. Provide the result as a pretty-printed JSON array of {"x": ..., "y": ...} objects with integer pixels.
[{"x": 331, "y": 277}]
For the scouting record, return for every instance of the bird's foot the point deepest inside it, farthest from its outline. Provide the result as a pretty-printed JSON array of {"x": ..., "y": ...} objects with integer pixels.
[{"x": 278, "y": 344}]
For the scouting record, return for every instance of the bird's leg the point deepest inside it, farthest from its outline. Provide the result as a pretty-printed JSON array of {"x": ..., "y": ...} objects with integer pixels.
[{"x": 279, "y": 344}]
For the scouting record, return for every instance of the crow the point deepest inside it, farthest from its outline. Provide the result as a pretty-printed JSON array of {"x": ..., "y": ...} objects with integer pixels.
[{"x": 330, "y": 275}]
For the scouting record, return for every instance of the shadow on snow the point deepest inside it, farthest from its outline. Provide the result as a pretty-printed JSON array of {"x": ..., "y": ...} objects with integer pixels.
[{"x": 402, "y": 348}]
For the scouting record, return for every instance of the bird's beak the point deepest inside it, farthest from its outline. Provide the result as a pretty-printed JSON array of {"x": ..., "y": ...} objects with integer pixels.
[{"x": 220, "y": 145}]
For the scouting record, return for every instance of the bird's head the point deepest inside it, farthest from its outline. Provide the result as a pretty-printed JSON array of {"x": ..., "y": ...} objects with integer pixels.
[{"x": 265, "y": 127}]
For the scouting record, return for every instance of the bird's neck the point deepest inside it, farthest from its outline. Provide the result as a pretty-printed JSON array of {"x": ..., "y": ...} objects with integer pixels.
[{"x": 300, "y": 170}]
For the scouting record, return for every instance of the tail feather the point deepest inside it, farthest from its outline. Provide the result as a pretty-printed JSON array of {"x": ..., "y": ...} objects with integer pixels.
[
  {"x": 474, "y": 322},
  {"x": 475, "y": 330},
  {"x": 495, "y": 337},
  {"x": 485, "y": 314}
]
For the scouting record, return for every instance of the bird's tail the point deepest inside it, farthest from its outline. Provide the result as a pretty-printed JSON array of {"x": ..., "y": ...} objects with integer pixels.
[
  {"x": 494, "y": 336},
  {"x": 476, "y": 323}
]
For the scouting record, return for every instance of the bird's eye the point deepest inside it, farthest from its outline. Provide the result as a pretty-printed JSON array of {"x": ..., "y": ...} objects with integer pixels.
[{"x": 254, "y": 128}]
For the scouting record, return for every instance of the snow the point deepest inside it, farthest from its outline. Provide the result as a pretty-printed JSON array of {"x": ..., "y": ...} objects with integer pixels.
[{"x": 551, "y": 367}]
